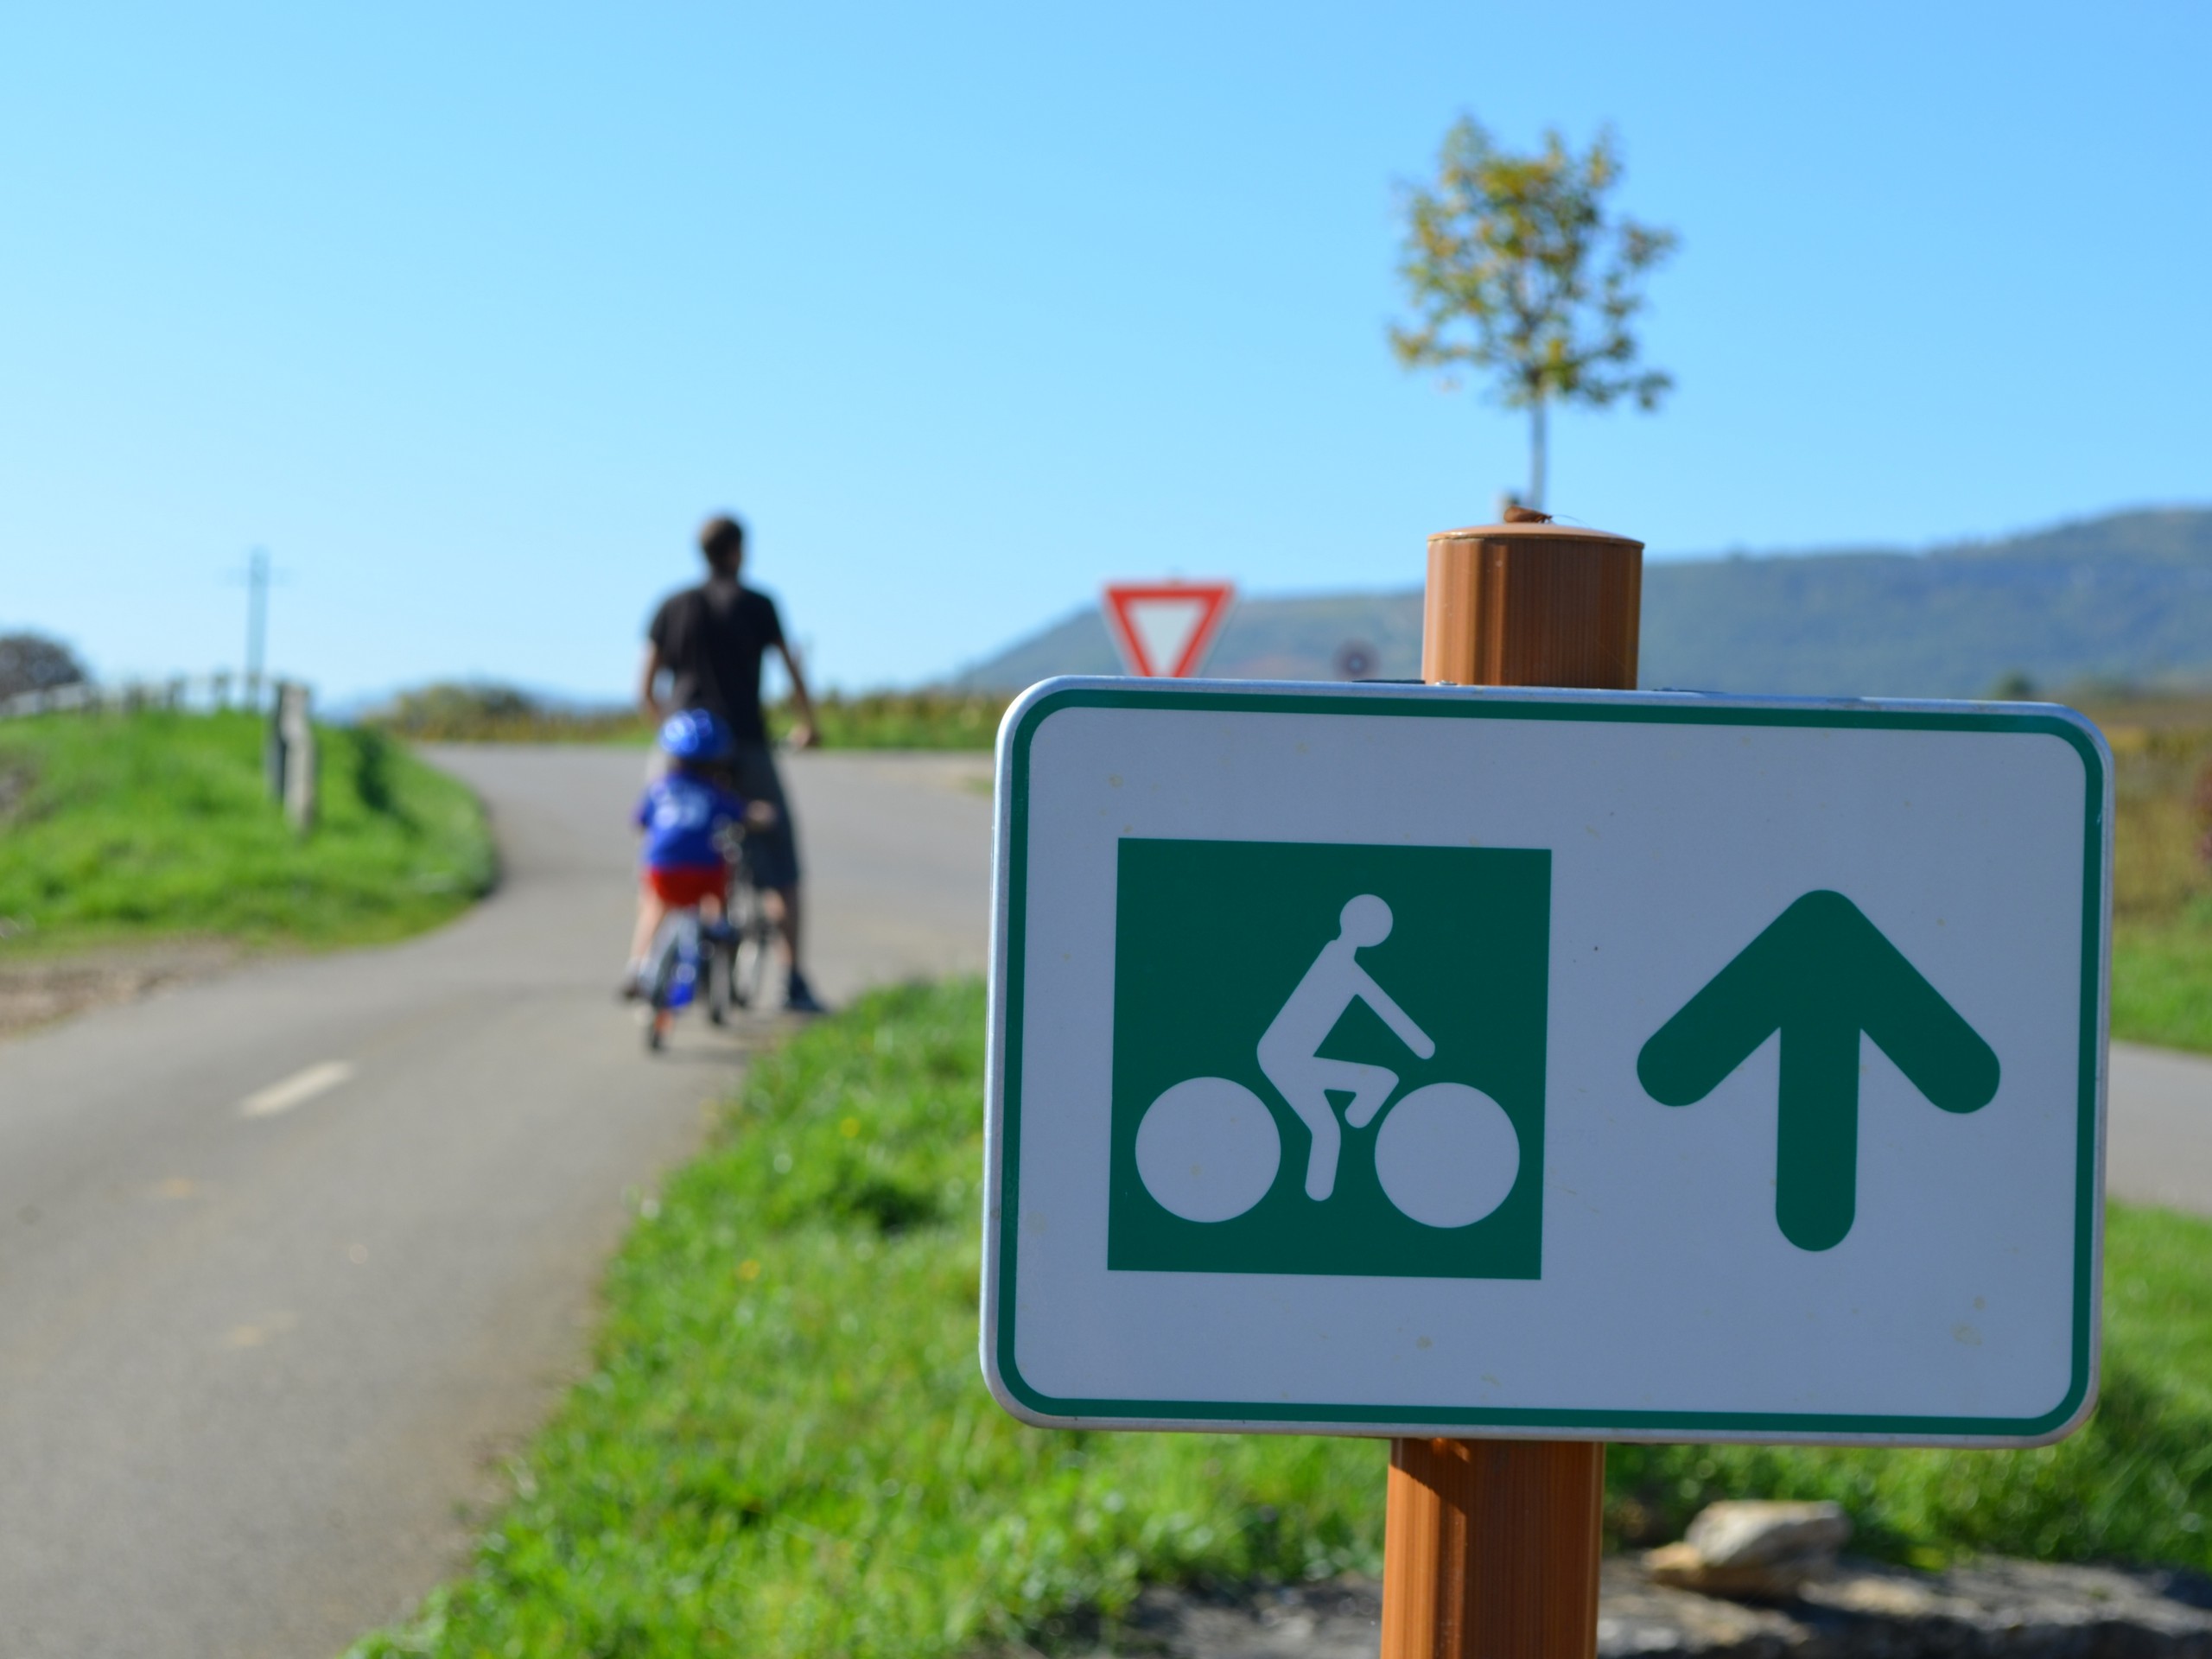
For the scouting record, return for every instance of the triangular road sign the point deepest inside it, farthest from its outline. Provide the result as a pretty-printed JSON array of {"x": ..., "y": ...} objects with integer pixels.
[{"x": 1164, "y": 629}]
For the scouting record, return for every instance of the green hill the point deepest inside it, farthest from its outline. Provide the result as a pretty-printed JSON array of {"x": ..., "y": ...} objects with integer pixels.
[{"x": 2121, "y": 599}]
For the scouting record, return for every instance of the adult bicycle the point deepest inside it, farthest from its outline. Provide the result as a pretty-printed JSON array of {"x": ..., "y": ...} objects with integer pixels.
[{"x": 740, "y": 964}]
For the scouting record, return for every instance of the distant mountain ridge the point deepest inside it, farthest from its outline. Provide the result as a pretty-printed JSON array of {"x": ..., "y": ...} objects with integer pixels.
[{"x": 2121, "y": 598}]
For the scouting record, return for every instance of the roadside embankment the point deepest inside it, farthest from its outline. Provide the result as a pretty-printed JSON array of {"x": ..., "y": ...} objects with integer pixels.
[{"x": 139, "y": 848}]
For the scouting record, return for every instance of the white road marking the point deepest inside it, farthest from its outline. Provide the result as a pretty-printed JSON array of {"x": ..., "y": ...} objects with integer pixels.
[{"x": 299, "y": 1087}]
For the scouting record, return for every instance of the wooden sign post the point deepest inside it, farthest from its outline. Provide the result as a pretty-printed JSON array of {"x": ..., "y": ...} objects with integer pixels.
[{"x": 1492, "y": 1546}]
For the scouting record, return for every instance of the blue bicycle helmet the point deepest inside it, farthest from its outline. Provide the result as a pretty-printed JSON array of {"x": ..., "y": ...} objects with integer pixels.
[{"x": 695, "y": 735}]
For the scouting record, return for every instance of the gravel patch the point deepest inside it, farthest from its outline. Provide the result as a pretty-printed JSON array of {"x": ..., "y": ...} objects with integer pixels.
[
  {"x": 38, "y": 991},
  {"x": 1992, "y": 1609}
]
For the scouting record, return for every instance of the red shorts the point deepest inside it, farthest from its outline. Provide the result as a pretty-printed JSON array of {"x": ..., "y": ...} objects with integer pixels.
[{"x": 681, "y": 886}]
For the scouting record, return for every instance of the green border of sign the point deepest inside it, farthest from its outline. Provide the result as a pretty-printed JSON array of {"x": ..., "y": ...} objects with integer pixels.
[{"x": 1041, "y": 702}]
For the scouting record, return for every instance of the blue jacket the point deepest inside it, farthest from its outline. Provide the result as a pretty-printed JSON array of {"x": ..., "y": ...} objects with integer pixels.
[{"x": 680, "y": 814}]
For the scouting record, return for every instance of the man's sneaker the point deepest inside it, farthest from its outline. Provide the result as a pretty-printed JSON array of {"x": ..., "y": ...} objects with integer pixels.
[{"x": 798, "y": 995}]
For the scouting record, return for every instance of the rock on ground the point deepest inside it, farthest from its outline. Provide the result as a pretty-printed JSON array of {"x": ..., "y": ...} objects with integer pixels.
[{"x": 1755, "y": 1548}]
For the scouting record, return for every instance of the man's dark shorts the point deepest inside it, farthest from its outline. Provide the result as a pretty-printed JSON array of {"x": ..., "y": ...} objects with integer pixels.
[{"x": 772, "y": 854}]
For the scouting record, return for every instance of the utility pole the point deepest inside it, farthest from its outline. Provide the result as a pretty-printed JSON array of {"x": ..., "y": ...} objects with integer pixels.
[{"x": 257, "y": 623}]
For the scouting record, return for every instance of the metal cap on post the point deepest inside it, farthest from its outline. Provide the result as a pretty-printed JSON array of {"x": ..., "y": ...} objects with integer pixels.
[{"x": 1492, "y": 1546}]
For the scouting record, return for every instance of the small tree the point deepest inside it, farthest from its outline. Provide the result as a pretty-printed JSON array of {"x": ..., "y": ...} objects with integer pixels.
[
  {"x": 30, "y": 662},
  {"x": 1513, "y": 268}
]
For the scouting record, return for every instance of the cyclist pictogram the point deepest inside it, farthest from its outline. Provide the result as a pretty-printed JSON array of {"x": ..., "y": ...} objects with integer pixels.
[
  {"x": 1290, "y": 1048},
  {"x": 1208, "y": 1149},
  {"x": 1328, "y": 1058}
]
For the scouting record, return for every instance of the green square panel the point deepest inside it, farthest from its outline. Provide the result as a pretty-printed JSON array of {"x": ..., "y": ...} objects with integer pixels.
[{"x": 1264, "y": 991}]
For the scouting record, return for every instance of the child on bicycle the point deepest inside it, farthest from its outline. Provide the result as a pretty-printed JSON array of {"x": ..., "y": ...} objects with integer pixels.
[{"x": 684, "y": 814}]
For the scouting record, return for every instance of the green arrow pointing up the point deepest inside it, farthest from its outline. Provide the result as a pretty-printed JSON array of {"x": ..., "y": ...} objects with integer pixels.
[{"x": 1820, "y": 974}]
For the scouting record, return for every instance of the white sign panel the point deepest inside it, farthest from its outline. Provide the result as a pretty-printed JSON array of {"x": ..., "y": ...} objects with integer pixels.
[{"x": 1414, "y": 1060}]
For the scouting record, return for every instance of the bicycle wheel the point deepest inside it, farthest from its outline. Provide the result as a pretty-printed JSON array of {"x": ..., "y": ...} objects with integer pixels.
[
  {"x": 717, "y": 966},
  {"x": 691, "y": 961},
  {"x": 749, "y": 931},
  {"x": 660, "y": 978},
  {"x": 749, "y": 959}
]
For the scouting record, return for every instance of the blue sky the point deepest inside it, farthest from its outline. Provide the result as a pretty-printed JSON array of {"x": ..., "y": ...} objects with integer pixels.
[{"x": 470, "y": 314}]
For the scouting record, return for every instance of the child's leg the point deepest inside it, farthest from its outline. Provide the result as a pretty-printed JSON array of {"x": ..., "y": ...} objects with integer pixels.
[{"x": 650, "y": 912}]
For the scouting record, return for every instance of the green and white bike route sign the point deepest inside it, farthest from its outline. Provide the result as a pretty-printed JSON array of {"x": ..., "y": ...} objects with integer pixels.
[{"x": 1424, "y": 1060}]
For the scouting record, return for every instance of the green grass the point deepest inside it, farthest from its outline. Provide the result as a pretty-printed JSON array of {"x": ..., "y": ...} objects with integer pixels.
[
  {"x": 123, "y": 827},
  {"x": 784, "y": 1447},
  {"x": 2162, "y": 981}
]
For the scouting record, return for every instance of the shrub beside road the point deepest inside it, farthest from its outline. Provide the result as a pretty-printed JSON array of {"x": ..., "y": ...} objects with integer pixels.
[
  {"x": 2162, "y": 879},
  {"x": 874, "y": 720},
  {"x": 784, "y": 1447},
  {"x": 905, "y": 720},
  {"x": 459, "y": 712},
  {"x": 116, "y": 828}
]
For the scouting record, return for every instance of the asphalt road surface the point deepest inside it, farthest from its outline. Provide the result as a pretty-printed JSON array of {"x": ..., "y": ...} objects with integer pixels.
[
  {"x": 2158, "y": 1128},
  {"x": 289, "y": 1257}
]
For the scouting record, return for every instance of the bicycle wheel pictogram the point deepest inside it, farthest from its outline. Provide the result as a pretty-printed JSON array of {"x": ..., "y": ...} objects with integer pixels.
[
  {"x": 1447, "y": 1155},
  {"x": 1208, "y": 1149}
]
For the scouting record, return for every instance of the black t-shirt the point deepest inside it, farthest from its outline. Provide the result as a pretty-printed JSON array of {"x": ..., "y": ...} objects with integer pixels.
[{"x": 710, "y": 638}]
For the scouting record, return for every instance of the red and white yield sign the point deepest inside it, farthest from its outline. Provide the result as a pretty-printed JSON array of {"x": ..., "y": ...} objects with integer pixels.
[{"x": 1165, "y": 629}]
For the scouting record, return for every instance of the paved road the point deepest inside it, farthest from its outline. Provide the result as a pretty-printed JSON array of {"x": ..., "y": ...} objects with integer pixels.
[
  {"x": 250, "y": 1363},
  {"x": 2158, "y": 1128}
]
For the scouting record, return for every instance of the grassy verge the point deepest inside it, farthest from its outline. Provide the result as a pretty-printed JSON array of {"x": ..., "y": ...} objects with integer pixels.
[
  {"x": 116, "y": 827},
  {"x": 2161, "y": 871},
  {"x": 2162, "y": 981},
  {"x": 784, "y": 1447}
]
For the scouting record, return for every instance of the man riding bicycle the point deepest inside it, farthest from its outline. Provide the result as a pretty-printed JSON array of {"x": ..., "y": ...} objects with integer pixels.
[{"x": 709, "y": 640}]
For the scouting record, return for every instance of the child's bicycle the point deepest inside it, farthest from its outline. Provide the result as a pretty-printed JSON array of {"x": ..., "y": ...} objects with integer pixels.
[{"x": 726, "y": 961}]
